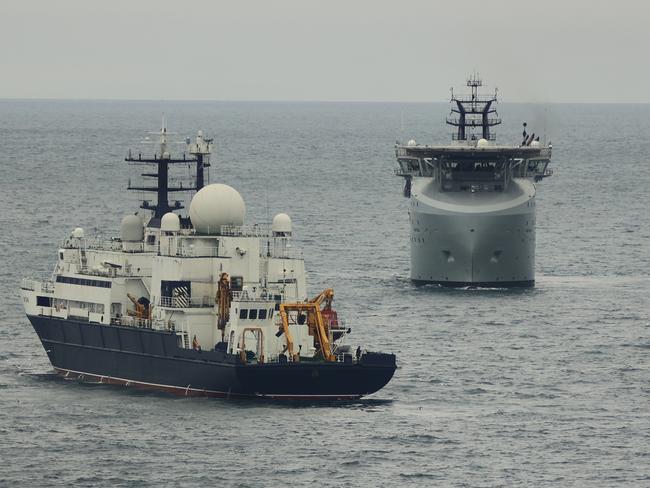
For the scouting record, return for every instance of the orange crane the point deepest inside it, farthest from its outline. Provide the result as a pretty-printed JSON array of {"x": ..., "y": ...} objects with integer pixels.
[
  {"x": 142, "y": 307},
  {"x": 314, "y": 320},
  {"x": 223, "y": 299}
]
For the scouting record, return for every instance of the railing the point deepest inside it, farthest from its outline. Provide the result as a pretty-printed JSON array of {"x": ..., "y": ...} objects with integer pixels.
[
  {"x": 34, "y": 285},
  {"x": 473, "y": 122},
  {"x": 474, "y": 98},
  {"x": 454, "y": 137},
  {"x": 128, "y": 321},
  {"x": 287, "y": 253},
  {"x": 112, "y": 272},
  {"x": 196, "y": 252},
  {"x": 186, "y": 302},
  {"x": 245, "y": 296},
  {"x": 257, "y": 230},
  {"x": 474, "y": 176}
]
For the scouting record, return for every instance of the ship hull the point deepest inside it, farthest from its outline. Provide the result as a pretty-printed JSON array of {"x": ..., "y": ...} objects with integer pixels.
[
  {"x": 482, "y": 240},
  {"x": 152, "y": 359}
]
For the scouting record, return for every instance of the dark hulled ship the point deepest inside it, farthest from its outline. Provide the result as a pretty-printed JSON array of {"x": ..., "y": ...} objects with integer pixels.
[{"x": 200, "y": 304}]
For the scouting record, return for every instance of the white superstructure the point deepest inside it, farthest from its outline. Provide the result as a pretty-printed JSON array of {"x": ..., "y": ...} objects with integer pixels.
[
  {"x": 212, "y": 279},
  {"x": 472, "y": 202}
]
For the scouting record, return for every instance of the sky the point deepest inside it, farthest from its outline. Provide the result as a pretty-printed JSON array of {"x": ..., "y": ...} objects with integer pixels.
[{"x": 330, "y": 50}]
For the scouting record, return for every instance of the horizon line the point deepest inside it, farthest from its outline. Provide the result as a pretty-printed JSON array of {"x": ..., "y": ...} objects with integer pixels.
[{"x": 199, "y": 100}]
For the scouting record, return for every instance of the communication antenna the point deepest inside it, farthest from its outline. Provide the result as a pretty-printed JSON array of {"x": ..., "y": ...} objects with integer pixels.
[{"x": 268, "y": 233}]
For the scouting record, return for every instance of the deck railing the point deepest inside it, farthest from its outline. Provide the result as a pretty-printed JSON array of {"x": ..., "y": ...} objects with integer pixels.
[
  {"x": 35, "y": 285},
  {"x": 186, "y": 302}
]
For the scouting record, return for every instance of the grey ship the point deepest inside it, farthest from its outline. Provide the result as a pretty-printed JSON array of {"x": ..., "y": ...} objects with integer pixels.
[{"x": 472, "y": 202}]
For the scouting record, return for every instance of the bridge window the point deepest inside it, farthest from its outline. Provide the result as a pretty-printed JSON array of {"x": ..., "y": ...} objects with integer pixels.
[
  {"x": 83, "y": 281},
  {"x": 243, "y": 313},
  {"x": 252, "y": 314},
  {"x": 262, "y": 314}
]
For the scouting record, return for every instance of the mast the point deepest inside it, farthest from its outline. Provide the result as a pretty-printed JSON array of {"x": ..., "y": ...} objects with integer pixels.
[
  {"x": 473, "y": 111},
  {"x": 200, "y": 151}
]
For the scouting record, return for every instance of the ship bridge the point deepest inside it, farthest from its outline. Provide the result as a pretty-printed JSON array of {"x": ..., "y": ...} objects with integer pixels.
[{"x": 473, "y": 167}]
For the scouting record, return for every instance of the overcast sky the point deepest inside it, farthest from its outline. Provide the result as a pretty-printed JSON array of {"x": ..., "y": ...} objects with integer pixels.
[{"x": 406, "y": 50}]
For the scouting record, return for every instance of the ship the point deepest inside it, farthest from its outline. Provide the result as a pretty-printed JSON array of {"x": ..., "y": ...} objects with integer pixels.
[
  {"x": 201, "y": 304},
  {"x": 471, "y": 201}
]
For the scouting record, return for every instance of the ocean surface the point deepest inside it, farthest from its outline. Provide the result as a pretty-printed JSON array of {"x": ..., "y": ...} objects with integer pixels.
[{"x": 541, "y": 387}]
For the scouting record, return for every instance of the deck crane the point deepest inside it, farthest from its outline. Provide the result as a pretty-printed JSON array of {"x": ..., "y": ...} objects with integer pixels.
[
  {"x": 314, "y": 319},
  {"x": 223, "y": 300},
  {"x": 142, "y": 307}
]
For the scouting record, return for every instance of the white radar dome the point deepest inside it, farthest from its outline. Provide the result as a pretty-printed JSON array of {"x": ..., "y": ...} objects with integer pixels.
[
  {"x": 281, "y": 225},
  {"x": 132, "y": 229},
  {"x": 482, "y": 143},
  {"x": 216, "y": 205},
  {"x": 535, "y": 144},
  {"x": 170, "y": 222},
  {"x": 411, "y": 143},
  {"x": 78, "y": 233}
]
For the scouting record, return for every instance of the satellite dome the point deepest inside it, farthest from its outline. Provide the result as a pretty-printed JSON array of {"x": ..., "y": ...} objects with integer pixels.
[
  {"x": 170, "y": 222},
  {"x": 411, "y": 143},
  {"x": 216, "y": 205},
  {"x": 482, "y": 142},
  {"x": 132, "y": 229},
  {"x": 281, "y": 225},
  {"x": 78, "y": 233},
  {"x": 535, "y": 144}
]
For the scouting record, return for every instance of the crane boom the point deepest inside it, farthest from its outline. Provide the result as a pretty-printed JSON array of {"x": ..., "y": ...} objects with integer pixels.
[{"x": 314, "y": 318}]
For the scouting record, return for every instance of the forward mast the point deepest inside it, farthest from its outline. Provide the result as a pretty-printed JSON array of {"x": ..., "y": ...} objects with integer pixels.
[
  {"x": 199, "y": 152},
  {"x": 473, "y": 111}
]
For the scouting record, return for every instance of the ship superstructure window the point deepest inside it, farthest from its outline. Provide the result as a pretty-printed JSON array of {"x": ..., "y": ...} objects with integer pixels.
[
  {"x": 44, "y": 301},
  {"x": 236, "y": 283},
  {"x": 255, "y": 314},
  {"x": 62, "y": 304},
  {"x": 83, "y": 281}
]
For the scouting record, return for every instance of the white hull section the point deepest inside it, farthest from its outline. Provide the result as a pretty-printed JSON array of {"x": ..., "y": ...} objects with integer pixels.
[{"x": 465, "y": 238}]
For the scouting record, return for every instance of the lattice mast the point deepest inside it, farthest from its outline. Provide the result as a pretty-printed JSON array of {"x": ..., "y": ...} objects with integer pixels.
[
  {"x": 473, "y": 111},
  {"x": 200, "y": 155}
]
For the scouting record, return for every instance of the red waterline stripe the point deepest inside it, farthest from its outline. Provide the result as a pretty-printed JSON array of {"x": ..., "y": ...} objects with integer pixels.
[{"x": 188, "y": 391}]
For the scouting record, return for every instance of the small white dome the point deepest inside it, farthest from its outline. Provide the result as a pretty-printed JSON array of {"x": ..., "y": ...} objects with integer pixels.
[
  {"x": 411, "y": 143},
  {"x": 78, "y": 233},
  {"x": 281, "y": 224},
  {"x": 535, "y": 144},
  {"x": 216, "y": 205},
  {"x": 132, "y": 229},
  {"x": 482, "y": 143},
  {"x": 170, "y": 222}
]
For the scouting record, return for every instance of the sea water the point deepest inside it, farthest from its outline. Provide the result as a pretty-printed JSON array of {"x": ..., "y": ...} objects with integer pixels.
[{"x": 547, "y": 386}]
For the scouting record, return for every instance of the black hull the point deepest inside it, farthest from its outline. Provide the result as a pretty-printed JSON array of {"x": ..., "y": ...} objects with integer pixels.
[
  {"x": 477, "y": 284},
  {"x": 152, "y": 359}
]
